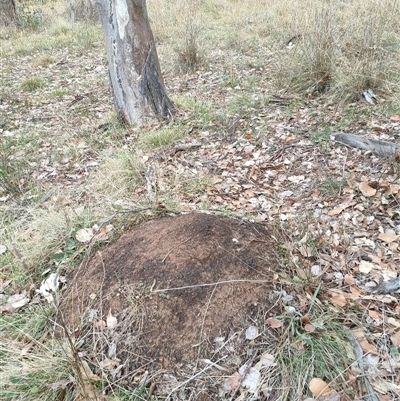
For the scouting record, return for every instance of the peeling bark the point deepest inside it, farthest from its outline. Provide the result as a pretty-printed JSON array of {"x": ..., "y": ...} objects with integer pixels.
[{"x": 137, "y": 84}]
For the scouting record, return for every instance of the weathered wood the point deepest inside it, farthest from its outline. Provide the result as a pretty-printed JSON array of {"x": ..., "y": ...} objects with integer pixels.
[
  {"x": 8, "y": 13},
  {"x": 137, "y": 84},
  {"x": 385, "y": 287},
  {"x": 381, "y": 148}
]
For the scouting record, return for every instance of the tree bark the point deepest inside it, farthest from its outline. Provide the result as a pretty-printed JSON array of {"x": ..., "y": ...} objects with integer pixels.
[
  {"x": 8, "y": 12},
  {"x": 137, "y": 84}
]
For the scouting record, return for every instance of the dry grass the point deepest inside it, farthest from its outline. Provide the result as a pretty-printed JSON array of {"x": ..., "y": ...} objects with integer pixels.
[{"x": 342, "y": 48}]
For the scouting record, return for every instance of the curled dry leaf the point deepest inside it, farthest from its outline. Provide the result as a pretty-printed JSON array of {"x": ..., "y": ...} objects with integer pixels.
[
  {"x": 48, "y": 286},
  {"x": 366, "y": 189},
  {"x": 319, "y": 387}
]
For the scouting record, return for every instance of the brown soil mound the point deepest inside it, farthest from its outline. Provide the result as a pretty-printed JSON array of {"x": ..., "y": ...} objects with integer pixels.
[{"x": 185, "y": 257}]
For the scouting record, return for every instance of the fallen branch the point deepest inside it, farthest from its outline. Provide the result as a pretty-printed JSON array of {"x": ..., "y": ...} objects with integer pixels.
[
  {"x": 386, "y": 287},
  {"x": 380, "y": 148}
]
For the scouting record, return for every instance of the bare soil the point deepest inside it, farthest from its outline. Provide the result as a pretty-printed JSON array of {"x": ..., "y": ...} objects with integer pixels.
[{"x": 174, "y": 285}]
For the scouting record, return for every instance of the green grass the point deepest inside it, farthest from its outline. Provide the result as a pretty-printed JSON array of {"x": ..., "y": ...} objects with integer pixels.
[
  {"x": 229, "y": 60},
  {"x": 324, "y": 353},
  {"x": 31, "y": 376},
  {"x": 59, "y": 92},
  {"x": 331, "y": 186},
  {"x": 32, "y": 84},
  {"x": 161, "y": 137}
]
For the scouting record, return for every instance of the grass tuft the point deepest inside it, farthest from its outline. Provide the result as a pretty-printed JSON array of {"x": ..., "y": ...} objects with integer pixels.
[{"x": 32, "y": 84}]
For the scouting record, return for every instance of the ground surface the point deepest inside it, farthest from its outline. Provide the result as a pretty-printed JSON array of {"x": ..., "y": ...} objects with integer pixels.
[
  {"x": 194, "y": 251},
  {"x": 237, "y": 147}
]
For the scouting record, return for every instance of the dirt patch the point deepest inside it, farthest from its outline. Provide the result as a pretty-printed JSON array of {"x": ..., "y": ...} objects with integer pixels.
[{"x": 175, "y": 284}]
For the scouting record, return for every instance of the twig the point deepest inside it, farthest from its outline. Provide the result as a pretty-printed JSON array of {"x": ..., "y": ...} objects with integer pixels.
[
  {"x": 211, "y": 284},
  {"x": 184, "y": 147},
  {"x": 169, "y": 252},
  {"x": 194, "y": 376},
  {"x": 359, "y": 358},
  {"x": 202, "y": 323}
]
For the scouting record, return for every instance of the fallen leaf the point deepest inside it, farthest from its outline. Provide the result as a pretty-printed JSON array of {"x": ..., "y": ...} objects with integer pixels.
[
  {"x": 251, "y": 333},
  {"x": 60, "y": 384},
  {"x": 349, "y": 279},
  {"x": 349, "y": 202},
  {"x": 84, "y": 235},
  {"x": 338, "y": 300},
  {"x": 233, "y": 381},
  {"x": 108, "y": 364},
  {"x": 251, "y": 378},
  {"x": 101, "y": 324},
  {"x": 392, "y": 321},
  {"x": 366, "y": 190},
  {"x": 396, "y": 338},
  {"x": 319, "y": 387},
  {"x": 367, "y": 347},
  {"x": 49, "y": 286},
  {"x": 274, "y": 323},
  {"x": 374, "y": 314},
  {"x": 309, "y": 328},
  {"x": 332, "y": 396},
  {"x": 388, "y": 236},
  {"x": 267, "y": 359},
  {"x": 365, "y": 267},
  {"x": 111, "y": 320}
]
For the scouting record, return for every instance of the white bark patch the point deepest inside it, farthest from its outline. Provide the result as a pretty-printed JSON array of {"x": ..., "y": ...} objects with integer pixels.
[{"x": 121, "y": 10}]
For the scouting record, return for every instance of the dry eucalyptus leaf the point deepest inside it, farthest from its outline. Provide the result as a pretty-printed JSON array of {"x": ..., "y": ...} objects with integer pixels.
[
  {"x": 388, "y": 236},
  {"x": 111, "y": 320},
  {"x": 366, "y": 190},
  {"x": 367, "y": 347},
  {"x": 394, "y": 322},
  {"x": 319, "y": 387},
  {"x": 338, "y": 300},
  {"x": 274, "y": 323},
  {"x": 396, "y": 338},
  {"x": 84, "y": 235},
  {"x": 309, "y": 328},
  {"x": 365, "y": 267},
  {"x": 233, "y": 381}
]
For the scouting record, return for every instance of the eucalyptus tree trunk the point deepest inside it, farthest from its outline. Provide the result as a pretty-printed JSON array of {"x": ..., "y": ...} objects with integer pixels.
[
  {"x": 8, "y": 13},
  {"x": 137, "y": 84}
]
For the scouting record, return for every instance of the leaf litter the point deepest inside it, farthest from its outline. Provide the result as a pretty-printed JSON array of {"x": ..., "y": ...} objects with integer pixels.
[{"x": 269, "y": 165}]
